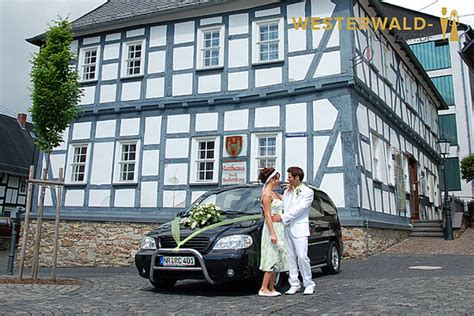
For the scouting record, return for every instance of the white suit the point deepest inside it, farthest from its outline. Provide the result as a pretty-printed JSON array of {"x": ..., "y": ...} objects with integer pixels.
[{"x": 296, "y": 218}]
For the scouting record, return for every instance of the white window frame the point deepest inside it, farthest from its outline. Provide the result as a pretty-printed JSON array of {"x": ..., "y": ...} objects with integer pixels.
[
  {"x": 118, "y": 160},
  {"x": 377, "y": 157},
  {"x": 71, "y": 163},
  {"x": 193, "y": 177},
  {"x": 82, "y": 65},
  {"x": 256, "y": 40},
  {"x": 125, "y": 49},
  {"x": 200, "y": 53},
  {"x": 255, "y": 157}
]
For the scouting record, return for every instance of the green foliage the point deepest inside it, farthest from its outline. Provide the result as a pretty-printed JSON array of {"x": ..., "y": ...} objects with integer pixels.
[
  {"x": 467, "y": 168},
  {"x": 55, "y": 89}
]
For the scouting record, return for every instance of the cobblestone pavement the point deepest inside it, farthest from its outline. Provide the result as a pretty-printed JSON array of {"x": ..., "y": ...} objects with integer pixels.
[
  {"x": 437, "y": 246},
  {"x": 383, "y": 283}
]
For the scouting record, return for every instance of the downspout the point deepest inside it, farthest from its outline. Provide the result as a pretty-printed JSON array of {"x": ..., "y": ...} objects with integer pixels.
[{"x": 465, "y": 103}]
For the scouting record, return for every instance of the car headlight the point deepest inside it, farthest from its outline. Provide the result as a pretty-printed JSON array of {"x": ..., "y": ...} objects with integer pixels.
[
  {"x": 148, "y": 243},
  {"x": 234, "y": 242}
]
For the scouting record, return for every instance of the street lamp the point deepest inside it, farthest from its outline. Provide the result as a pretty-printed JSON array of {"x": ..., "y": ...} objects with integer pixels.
[{"x": 443, "y": 147}]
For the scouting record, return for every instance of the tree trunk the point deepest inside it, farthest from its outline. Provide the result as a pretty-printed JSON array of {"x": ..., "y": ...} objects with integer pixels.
[{"x": 39, "y": 222}]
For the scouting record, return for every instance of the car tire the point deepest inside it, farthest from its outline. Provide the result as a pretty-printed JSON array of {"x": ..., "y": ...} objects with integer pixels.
[
  {"x": 282, "y": 284},
  {"x": 162, "y": 284},
  {"x": 333, "y": 260}
]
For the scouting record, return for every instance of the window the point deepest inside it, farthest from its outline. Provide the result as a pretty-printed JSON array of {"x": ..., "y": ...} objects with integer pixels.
[
  {"x": 433, "y": 55},
  {"x": 268, "y": 41},
  {"x": 79, "y": 163},
  {"x": 89, "y": 63},
  {"x": 205, "y": 160},
  {"x": 444, "y": 84},
  {"x": 266, "y": 155},
  {"x": 390, "y": 165},
  {"x": 133, "y": 59},
  {"x": 377, "y": 159},
  {"x": 23, "y": 186},
  {"x": 448, "y": 128},
  {"x": 211, "y": 47},
  {"x": 128, "y": 156}
]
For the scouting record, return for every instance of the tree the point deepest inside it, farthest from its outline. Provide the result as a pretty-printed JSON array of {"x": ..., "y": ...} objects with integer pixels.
[
  {"x": 55, "y": 101},
  {"x": 467, "y": 168}
]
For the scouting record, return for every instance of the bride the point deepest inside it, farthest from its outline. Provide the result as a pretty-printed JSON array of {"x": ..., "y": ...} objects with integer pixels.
[{"x": 273, "y": 252}]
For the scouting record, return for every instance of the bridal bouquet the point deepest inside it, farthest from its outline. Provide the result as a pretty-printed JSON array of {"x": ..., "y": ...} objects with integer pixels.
[{"x": 202, "y": 215}]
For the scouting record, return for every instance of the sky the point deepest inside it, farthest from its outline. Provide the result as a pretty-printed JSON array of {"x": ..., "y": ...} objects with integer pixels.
[{"x": 21, "y": 19}]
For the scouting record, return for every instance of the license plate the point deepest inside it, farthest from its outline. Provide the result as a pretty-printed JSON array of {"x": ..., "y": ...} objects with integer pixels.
[{"x": 176, "y": 261}]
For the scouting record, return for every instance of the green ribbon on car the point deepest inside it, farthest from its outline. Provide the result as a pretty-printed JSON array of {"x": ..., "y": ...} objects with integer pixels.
[{"x": 175, "y": 228}]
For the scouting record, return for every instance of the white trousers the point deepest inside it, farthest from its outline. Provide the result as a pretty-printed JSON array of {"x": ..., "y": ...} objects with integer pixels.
[{"x": 297, "y": 253}]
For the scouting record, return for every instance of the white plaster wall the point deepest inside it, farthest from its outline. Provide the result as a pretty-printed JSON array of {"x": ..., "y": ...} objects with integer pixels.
[
  {"x": 99, "y": 198},
  {"x": 183, "y": 58},
  {"x": 367, "y": 158},
  {"x": 137, "y": 32},
  {"x": 112, "y": 51},
  {"x": 268, "y": 76},
  {"x": 107, "y": 93},
  {"x": 102, "y": 163},
  {"x": 238, "y": 53},
  {"x": 333, "y": 185},
  {"x": 393, "y": 207},
  {"x": 238, "y": 80},
  {"x": 298, "y": 67},
  {"x": 296, "y": 117},
  {"x": 236, "y": 120},
  {"x": 156, "y": 61},
  {"x": 130, "y": 127},
  {"x": 213, "y": 20},
  {"x": 177, "y": 148},
  {"x": 176, "y": 174},
  {"x": 65, "y": 136},
  {"x": 91, "y": 40},
  {"x": 210, "y": 83},
  {"x": 174, "y": 198},
  {"x": 48, "y": 200},
  {"x": 330, "y": 64},
  {"x": 131, "y": 91},
  {"x": 238, "y": 24},
  {"x": 178, "y": 124},
  {"x": 378, "y": 200},
  {"x": 320, "y": 8},
  {"x": 319, "y": 146},
  {"x": 267, "y": 116},
  {"x": 113, "y": 37},
  {"x": 386, "y": 202},
  {"x": 155, "y": 88},
  {"x": 57, "y": 161},
  {"x": 158, "y": 36},
  {"x": 124, "y": 198},
  {"x": 372, "y": 120},
  {"x": 149, "y": 192},
  {"x": 182, "y": 84},
  {"x": 152, "y": 130},
  {"x": 184, "y": 32},
  {"x": 295, "y": 10},
  {"x": 150, "y": 162},
  {"x": 324, "y": 115},
  {"x": 74, "y": 198},
  {"x": 196, "y": 195},
  {"x": 81, "y": 131},
  {"x": 365, "y": 194},
  {"x": 206, "y": 122},
  {"x": 267, "y": 12},
  {"x": 334, "y": 39},
  {"x": 88, "y": 96},
  {"x": 105, "y": 129},
  {"x": 109, "y": 71},
  {"x": 336, "y": 157},
  {"x": 296, "y": 152},
  {"x": 296, "y": 39}
]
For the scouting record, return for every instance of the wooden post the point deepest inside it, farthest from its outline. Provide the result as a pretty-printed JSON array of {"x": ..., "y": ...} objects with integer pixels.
[
  {"x": 29, "y": 198},
  {"x": 39, "y": 220},
  {"x": 56, "y": 224}
]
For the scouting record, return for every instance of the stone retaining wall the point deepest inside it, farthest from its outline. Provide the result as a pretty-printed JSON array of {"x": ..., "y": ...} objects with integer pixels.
[
  {"x": 103, "y": 244},
  {"x": 361, "y": 242}
]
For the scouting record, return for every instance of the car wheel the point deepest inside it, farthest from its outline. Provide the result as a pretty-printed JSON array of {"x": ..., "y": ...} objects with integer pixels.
[
  {"x": 333, "y": 260},
  {"x": 163, "y": 283},
  {"x": 281, "y": 282}
]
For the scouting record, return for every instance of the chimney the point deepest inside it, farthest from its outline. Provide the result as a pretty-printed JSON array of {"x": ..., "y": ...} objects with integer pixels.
[{"x": 22, "y": 120}]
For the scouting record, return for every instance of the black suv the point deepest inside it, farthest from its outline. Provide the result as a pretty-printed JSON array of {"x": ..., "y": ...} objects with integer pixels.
[{"x": 232, "y": 252}]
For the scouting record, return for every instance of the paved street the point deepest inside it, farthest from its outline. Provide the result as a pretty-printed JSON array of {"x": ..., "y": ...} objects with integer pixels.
[{"x": 381, "y": 284}]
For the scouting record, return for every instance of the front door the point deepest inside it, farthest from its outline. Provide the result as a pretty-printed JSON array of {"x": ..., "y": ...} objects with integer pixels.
[{"x": 414, "y": 190}]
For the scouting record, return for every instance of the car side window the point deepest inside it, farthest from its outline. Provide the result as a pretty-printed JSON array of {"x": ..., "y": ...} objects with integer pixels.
[
  {"x": 315, "y": 210},
  {"x": 327, "y": 206}
]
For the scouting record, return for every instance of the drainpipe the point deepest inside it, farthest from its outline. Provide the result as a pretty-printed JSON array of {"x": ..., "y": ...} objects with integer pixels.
[{"x": 465, "y": 103}]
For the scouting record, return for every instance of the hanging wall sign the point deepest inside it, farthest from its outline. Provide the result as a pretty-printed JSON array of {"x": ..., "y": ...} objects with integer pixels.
[
  {"x": 234, "y": 172},
  {"x": 233, "y": 145}
]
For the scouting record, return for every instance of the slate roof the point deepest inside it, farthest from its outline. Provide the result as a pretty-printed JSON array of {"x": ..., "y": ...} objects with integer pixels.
[{"x": 16, "y": 146}]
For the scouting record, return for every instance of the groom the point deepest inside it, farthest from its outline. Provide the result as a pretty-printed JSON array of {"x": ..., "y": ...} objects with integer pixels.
[{"x": 297, "y": 201}]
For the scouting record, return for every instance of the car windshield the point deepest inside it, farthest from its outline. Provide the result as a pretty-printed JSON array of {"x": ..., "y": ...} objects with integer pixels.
[{"x": 238, "y": 201}]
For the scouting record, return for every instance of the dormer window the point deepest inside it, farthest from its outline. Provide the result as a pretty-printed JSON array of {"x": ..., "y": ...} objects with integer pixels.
[
  {"x": 211, "y": 47},
  {"x": 133, "y": 53},
  {"x": 89, "y": 60}
]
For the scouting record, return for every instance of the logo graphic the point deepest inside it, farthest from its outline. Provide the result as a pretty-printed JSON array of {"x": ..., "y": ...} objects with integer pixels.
[
  {"x": 453, "y": 20},
  {"x": 233, "y": 145}
]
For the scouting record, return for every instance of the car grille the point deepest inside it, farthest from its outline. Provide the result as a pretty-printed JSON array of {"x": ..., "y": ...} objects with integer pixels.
[{"x": 198, "y": 243}]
